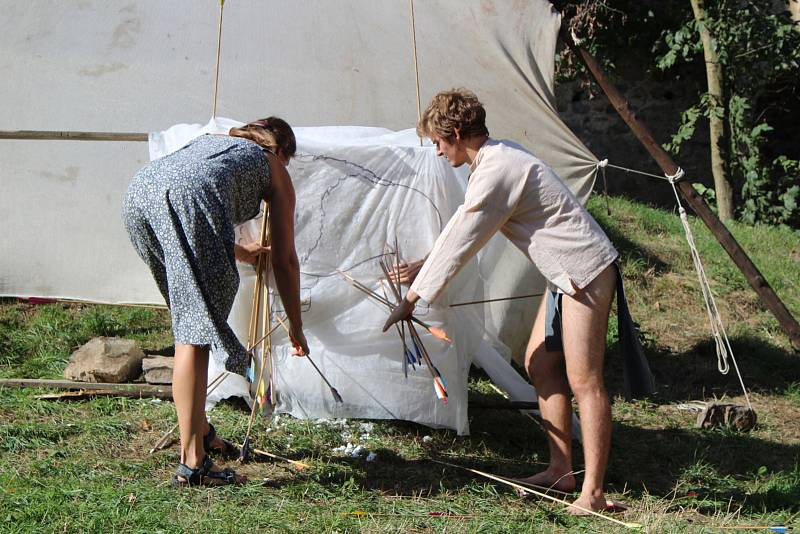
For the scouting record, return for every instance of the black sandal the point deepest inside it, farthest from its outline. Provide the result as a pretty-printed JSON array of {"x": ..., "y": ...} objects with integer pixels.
[
  {"x": 186, "y": 476},
  {"x": 228, "y": 451}
]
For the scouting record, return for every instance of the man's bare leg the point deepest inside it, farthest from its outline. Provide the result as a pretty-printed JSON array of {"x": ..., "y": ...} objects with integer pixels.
[
  {"x": 585, "y": 320},
  {"x": 548, "y": 375}
]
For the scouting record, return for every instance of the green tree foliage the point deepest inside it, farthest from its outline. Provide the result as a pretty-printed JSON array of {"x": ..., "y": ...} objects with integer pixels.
[
  {"x": 760, "y": 51},
  {"x": 759, "y": 48}
]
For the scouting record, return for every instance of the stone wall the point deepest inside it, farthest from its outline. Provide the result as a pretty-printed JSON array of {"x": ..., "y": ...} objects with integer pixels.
[{"x": 658, "y": 103}]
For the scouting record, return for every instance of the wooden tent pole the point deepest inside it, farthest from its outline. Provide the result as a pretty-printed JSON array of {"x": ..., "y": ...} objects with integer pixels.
[
  {"x": 416, "y": 66},
  {"x": 757, "y": 281},
  {"x": 49, "y": 135},
  {"x": 216, "y": 69}
]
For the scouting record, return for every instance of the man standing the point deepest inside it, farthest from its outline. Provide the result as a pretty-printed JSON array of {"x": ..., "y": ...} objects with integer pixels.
[{"x": 512, "y": 191}]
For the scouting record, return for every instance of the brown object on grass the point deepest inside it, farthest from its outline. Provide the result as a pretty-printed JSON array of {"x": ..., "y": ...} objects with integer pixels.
[{"x": 727, "y": 415}]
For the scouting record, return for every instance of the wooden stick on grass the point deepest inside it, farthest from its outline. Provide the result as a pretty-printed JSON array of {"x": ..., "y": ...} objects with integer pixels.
[{"x": 633, "y": 526}]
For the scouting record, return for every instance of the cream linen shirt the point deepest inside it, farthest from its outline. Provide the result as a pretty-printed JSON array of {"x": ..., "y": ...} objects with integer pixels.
[{"x": 512, "y": 191}]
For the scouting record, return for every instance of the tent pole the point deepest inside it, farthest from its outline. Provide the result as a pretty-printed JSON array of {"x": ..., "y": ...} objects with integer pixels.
[
  {"x": 757, "y": 281},
  {"x": 72, "y": 135}
]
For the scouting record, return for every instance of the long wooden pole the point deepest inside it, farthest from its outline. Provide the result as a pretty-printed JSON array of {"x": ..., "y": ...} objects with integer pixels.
[
  {"x": 216, "y": 69},
  {"x": 51, "y": 135},
  {"x": 416, "y": 66},
  {"x": 754, "y": 277},
  {"x": 124, "y": 390}
]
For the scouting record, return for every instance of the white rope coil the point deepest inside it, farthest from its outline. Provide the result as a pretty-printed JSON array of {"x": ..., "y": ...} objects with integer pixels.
[
  {"x": 673, "y": 178},
  {"x": 722, "y": 344}
]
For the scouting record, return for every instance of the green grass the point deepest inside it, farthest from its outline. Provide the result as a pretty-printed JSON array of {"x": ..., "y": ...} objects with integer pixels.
[{"x": 82, "y": 466}]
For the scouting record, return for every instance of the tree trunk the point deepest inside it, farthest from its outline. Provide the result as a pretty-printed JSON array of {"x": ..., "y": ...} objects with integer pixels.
[{"x": 722, "y": 185}]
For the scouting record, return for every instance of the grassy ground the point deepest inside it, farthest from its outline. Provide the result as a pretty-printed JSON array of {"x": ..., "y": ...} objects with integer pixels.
[{"x": 83, "y": 466}]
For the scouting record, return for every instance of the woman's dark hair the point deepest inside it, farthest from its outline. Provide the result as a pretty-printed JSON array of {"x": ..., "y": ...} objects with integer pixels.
[{"x": 272, "y": 133}]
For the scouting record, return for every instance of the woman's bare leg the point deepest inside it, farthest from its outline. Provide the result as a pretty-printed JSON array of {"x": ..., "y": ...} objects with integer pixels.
[
  {"x": 547, "y": 373},
  {"x": 189, "y": 383},
  {"x": 585, "y": 320},
  {"x": 189, "y": 378}
]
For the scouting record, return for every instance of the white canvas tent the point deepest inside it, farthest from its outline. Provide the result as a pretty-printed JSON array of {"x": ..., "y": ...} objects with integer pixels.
[{"x": 113, "y": 67}]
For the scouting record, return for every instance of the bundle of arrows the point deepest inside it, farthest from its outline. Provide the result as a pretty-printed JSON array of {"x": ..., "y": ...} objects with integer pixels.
[
  {"x": 261, "y": 319},
  {"x": 419, "y": 354},
  {"x": 260, "y": 316}
]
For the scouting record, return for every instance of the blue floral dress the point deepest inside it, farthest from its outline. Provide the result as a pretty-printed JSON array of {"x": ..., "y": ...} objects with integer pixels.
[{"x": 179, "y": 212}]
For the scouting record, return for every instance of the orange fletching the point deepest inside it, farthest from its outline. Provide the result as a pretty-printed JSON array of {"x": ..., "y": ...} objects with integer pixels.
[{"x": 439, "y": 333}]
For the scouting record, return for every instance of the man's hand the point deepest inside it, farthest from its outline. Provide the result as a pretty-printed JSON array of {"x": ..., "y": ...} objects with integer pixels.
[
  {"x": 250, "y": 252},
  {"x": 406, "y": 272},
  {"x": 401, "y": 312},
  {"x": 298, "y": 340}
]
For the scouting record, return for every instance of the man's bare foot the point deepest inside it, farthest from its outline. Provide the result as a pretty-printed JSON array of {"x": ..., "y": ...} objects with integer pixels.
[
  {"x": 586, "y": 502},
  {"x": 559, "y": 481}
]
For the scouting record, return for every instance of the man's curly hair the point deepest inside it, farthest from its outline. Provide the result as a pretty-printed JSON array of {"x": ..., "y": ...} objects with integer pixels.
[{"x": 456, "y": 109}]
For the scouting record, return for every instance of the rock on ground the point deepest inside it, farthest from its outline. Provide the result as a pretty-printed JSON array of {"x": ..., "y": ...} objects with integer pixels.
[
  {"x": 158, "y": 369},
  {"x": 105, "y": 359}
]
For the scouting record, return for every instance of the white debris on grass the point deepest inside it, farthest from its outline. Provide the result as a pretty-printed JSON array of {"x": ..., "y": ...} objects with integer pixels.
[
  {"x": 426, "y": 439},
  {"x": 371, "y": 457},
  {"x": 353, "y": 451},
  {"x": 366, "y": 427},
  {"x": 341, "y": 423}
]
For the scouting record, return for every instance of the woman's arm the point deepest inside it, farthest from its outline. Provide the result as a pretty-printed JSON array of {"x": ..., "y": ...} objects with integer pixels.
[{"x": 285, "y": 266}]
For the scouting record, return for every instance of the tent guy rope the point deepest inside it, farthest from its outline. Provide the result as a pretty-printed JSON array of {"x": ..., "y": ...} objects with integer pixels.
[{"x": 722, "y": 344}]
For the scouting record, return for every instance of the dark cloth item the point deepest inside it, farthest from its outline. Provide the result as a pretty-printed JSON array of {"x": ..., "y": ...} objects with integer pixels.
[
  {"x": 637, "y": 376},
  {"x": 179, "y": 212},
  {"x": 552, "y": 322},
  {"x": 636, "y": 371}
]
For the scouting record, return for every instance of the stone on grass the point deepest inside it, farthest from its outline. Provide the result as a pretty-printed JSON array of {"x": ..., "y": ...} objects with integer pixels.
[
  {"x": 727, "y": 415},
  {"x": 105, "y": 359},
  {"x": 158, "y": 369}
]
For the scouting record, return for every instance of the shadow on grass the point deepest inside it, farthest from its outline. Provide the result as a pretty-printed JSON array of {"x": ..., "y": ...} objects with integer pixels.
[
  {"x": 712, "y": 468},
  {"x": 630, "y": 250},
  {"x": 693, "y": 375},
  {"x": 707, "y": 469},
  {"x": 710, "y": 464}
]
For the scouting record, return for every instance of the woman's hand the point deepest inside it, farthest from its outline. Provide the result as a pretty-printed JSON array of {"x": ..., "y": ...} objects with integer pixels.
[
  {"x": 406, "y": 272},
  {"x": 298, "y": 340},
  {"x": 250, "y": 252},
  {"x": 401, "y": 312}
]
